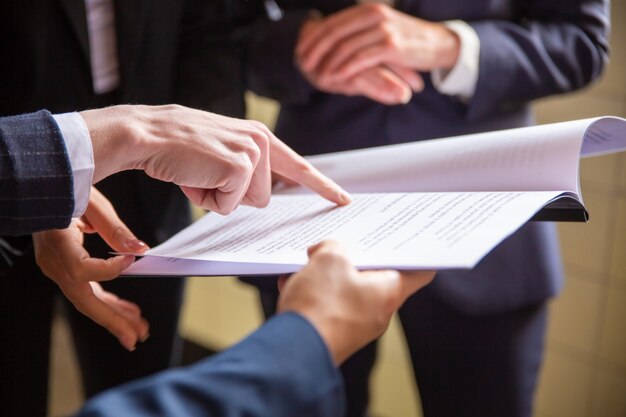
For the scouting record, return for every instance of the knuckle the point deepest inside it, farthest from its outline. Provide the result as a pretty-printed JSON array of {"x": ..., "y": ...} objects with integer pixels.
[
  {"x": 262, "y": 140},
  {"x": 172, "y": 107},
  {"x": 330, "y": 257},
  {"x": 114, "y": 322},
  {"x": 248, "y": 148},
  {"x": 260, "y": 200},
  {"x": 254, "y": 152},
  {"x": 303, "y": 168},
  {"x": 326, "y": 257},
  {"x": 239, "y": 166},
  {"x": 118, "y": 231},
  {"x": 246, "y": 162},
  {"x": 376, "y": 9},
  {"x": 264, "y": 201},
  {"x": 258, "y": 125},
  {"x": 390, "y": 40}
]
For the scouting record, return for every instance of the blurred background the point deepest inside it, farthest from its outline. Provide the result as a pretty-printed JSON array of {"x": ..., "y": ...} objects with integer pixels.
[{"x": 584, "y": 371}]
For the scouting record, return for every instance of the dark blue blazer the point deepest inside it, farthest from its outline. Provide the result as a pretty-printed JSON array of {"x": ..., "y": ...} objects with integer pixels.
[
  {"x": 528, "y": 49},
  {"x": 36, "y": 187},
  {"x": 281, "y": 370}
]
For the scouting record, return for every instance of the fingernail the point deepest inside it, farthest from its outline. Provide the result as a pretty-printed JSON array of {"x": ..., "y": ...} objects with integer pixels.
[
  {"x": 136, "y": 245},
  {"x": 129, "y": 342},
  {"x": 344, "y": 197},
  {"x": 417, "y": 86},
  {"x": 406, "y": 96},
  {"x": 146, "y": 337}
]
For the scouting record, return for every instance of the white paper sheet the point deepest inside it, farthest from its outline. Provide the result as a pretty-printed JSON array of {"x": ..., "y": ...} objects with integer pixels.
[{"x": 395, "y": 230}]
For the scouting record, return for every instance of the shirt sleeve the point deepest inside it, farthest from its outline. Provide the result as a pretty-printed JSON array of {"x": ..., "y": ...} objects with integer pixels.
[
  {"x": 79, "y": 150},
  {"x": 461, "y": 80}
]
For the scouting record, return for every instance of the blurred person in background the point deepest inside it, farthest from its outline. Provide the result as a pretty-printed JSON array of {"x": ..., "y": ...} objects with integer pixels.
[{"x": 354, "y": 75}]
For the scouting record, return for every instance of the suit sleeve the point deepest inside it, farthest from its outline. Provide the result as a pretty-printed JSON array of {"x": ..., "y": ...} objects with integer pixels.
[
  {"x": 281, "y": 370},
  {"x": 36, "y": 186},
  {"x": 557, "y": 46}
]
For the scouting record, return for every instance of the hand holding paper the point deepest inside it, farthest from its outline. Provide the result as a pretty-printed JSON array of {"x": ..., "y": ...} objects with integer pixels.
[
  {"x": 61, "y": 256},
  {"x": 347, "y": 307}
]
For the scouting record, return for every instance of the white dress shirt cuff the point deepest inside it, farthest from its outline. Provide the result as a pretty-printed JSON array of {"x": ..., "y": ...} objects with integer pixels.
[
  {"x": 78, "y": 145},
  {"x": 461, "y": 80}
]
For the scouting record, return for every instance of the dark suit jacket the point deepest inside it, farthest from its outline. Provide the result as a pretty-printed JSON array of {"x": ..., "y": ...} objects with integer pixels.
[
  {"x": 172, "y": 51},
  {"x": 528, "y": 49},
  {"x": 281, "y": 370},
  {"x": 36, "y": 191}
]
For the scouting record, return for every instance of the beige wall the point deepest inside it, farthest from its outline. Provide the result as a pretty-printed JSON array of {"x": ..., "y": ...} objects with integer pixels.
[{"x": 585, "y": 369}]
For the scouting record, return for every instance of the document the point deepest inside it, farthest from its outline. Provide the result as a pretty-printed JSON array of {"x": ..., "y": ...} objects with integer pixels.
[{"x": 441, "y": 204}]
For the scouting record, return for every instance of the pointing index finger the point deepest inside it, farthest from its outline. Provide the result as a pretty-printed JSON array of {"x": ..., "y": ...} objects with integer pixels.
[{"x": 289, "y": 164}]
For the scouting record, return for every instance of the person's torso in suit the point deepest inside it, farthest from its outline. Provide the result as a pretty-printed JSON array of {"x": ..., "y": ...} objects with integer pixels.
[{"x": 520, "y": 59}]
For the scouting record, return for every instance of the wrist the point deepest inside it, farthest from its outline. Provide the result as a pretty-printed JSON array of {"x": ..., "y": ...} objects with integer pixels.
[
  {"x": 449, "y": 47},
  {"x": 329, "y": 328},
  {"x": 116, "y": 144}
]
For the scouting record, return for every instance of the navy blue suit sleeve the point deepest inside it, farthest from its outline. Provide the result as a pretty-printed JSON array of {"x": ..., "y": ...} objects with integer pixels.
[
  {"x": 282, "y": 370},
  {"x": 36, "y": 183},
  {"x": 557, "y": 46}
]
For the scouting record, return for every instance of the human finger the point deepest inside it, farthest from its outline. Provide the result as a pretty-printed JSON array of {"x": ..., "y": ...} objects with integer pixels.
[
  {"x": 382, "y": 85},
  {"x": 62, "y": 257},
  {"x": 103, "y": 219},
  {"x": 327, "y": 248},
  {"x": 317, "y": 42},
  {"x": 410, "y": 76},
  {"x": 224, "y": 197},
  {"x": 129, "y": 310},
  {"x": 282, "y": 281},
  {"x": 260, "y": 187},
  {"x": 345, "y": 49},
  {"x": 284, "y": 161},
  {"x": 368, "y": 57},
  {"x": 411, "y": 282},
  {"x": 398, "y": 285},
  {"x": 127, "y": 331}
]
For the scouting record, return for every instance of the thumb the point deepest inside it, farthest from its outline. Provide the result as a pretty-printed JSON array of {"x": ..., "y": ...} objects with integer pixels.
[
  {"x": 104, "y": 219},
  {"x": 411, "y": 282}
]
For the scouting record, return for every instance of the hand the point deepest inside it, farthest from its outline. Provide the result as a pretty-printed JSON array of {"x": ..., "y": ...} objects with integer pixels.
[
  {"x": 61, "y": 256},
  {"x": 378, "y": 83},
  {"x": 369, "y": 35},
  {"x": 219, "y": 162},
  {"x": 347, "y": 307}
]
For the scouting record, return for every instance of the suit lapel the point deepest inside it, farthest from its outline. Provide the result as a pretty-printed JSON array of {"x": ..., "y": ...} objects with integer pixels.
[
  {"x": 130, "y": 18},
  {"x": 75, "y": 10}
]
